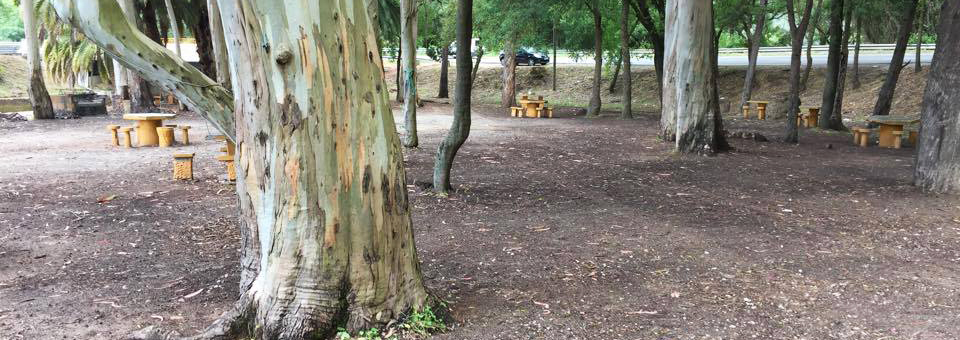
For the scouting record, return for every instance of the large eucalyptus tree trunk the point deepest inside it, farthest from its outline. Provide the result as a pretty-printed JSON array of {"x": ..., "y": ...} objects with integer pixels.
[
  {"x": 460, "y": 129},
  {"x": 594, "y": 108},
  {"x": 323, "y": 204},
  {"x": 408, "y": 45},
  {"x": 753, "y": 54},
  {"x": 444, "y": 90},
  {"x": 508, "y": 96},
  {"x": 885, "y": 97},
  {"x": 39, "y": 98},
  {"x": 627, "y": 112},
  {"x": 689, "y": 96},
  {"x": 938, "y": 153},
  {"x": 796, "y": 43},
  {"x": 219, "y": 43},
  {"x": 830, "y": 84}
]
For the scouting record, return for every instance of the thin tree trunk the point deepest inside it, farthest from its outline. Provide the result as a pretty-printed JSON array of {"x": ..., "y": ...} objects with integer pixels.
[
  {"x": 460, "y": 129},
  {"x": 627, "y": 112},
  {"x": 833, "y": 64},
  {"x": 444, "y": 66},
  {"x": 476, "y": 66},
  {"x": 554, "y": 56},
  {"x": 812, "y": 29},
  {"x": 688, "y": 91},
  {"x": 508, "y": 95},
  {"x": 656, "y": 36},
  {"x": 754, "y": 53},
  {"x": 885, "y": 97},
  {"x": 856, "y": 58},
  {"x": 616, "y": 74},
  {"x": 39, "y": 98},
  {"x": 399, "y": 73},
  {"x": 917, "y": 65},
  {"x": 594, "y": 108},
  {"x": 172, "y": 16},
  {"x": 219, "y": 44},
  {"x": 408, "y": 43},
  {"x": 321, "y": 188},
  {"x": 797, "y": 32},
  {"x": 938, "y": 151},
  {"x": 141, "y": 99},
  {"x": 836, "y": 119}
]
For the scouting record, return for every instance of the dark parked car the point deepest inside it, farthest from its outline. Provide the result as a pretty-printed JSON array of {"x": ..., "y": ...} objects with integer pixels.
[{"x": 527, "y": 58}]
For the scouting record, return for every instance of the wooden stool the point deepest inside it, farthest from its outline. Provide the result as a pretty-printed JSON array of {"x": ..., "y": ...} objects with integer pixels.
[
  {"x": 762, "y": 111},
  {"x": 166, "y": 136},
  {"x": 170, "y": 99},
  {"x": 186, "y": 134},
  {"x": 540, "y": 112},
  {"x": 549, "y": 112},
  {"x": 183, "y": 166},
  {"x": 864, "y": 137},
  {"x": 231, "y": 170},
  {"x": 746, "y": 112},
  {"x": 913, "y": 138},
  {"x": 516, "y": 111},
  {"x": 897, "y": 139},
  {"x": 126, "y": 134},
  {"x": 113, "y": 130}
]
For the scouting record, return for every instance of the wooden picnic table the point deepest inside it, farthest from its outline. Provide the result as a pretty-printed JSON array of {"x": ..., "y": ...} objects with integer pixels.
[
  {"x": 147, "y": 124},
  {"x": 530, "y": 106},
  {"x": 889, "y": 124}
]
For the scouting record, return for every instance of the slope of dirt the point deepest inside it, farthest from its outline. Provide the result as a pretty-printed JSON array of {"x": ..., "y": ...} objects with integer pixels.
[
  {"x": 563, "y": 228},
  {"x": 574, "y": 83},
  {"x": 14, "y": 76}
]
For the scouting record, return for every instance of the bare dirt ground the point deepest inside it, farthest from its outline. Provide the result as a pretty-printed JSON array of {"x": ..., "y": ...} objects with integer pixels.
[{"x": 565, "y": 228}]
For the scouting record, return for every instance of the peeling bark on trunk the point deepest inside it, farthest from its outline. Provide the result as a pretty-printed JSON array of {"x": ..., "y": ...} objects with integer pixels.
[
  {"x": 885, "y": 97},
  {"x": 322, "y": 196},
  {"x": 594, "y": 108},
  {"x": 408, "y": 43},
  {"x": 797, "y": 32},
  {"x": 938, "y": 151},
  {"x": 809, "y": 66},
  {"x": 508, "y": 95},
  {"x": 444, "y": 91},
  {"x": 627, "y": 112},
  {"x": 460, "y": 130},
  {"x": 39, "y": 98},
  {"x": 219, "y": 43},
  {"x": 688, "y": 91},
  {"x": 754, "y": 52},
  {"x": 833, "y": 65}
]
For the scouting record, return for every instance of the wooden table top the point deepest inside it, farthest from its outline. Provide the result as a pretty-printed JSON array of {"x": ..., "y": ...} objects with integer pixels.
[
  {"x": 894, "y": 120},
  {"x": 758, "y": 102},
  {"x": 148, "y": 116},
  {"x": 532, "y": 101}
]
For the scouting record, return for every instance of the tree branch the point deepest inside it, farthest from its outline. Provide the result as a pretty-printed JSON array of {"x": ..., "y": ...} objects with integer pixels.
[{"x": 102, "y": 22}]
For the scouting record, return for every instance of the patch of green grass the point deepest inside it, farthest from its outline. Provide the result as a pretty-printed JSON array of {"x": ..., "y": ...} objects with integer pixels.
[{"x": 424, "y": 322}]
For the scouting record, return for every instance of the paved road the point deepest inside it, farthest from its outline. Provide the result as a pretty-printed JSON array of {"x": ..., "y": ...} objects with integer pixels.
[{"x": 771, "y": 60}]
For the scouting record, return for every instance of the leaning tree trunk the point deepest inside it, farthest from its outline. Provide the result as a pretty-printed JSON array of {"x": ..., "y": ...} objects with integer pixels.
[
  {"x": 476, "y": 66},
  {"x": 408, "y": 43},
  {"x": 754, "y": 53},
  {"x": 508, "y": 95},
  {"x": 594, "y": 108},
  {"x": 322, "y": 196},
  {"x": 796, "y": 32},
  {"x": 617, "y": 64},
  {"x": 39, "y": 98},
  {"x": 627, "y": 112},
  {"x": 219, "y": 43},
  {"x": 885, "y": 97},
  {"x": 460, "y": 129},
  {"x": 444, "y": 91},
  {"x": 688, "y": 90},
  {"x": 833, "y": 64},
  {"x": 856, "y": 58},
  {"x": 655, "y": 35},
  {"x": 812, "y": 29},
  {"x": 938, "y": 151}
]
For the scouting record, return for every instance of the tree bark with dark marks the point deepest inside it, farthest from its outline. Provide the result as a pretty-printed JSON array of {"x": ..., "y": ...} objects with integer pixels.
[
  {"x": 937, "y": 167},
  {"x": 324, "y": 216},
  {"x": 39, "y": 98},
  {"x": 460, "y": 129},
  {"x": 797, "y": 31},
  {"x": 889, "y": 87}
]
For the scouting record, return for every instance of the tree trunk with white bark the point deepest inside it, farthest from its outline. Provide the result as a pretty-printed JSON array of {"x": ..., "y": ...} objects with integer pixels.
[
  {"x": 408, "y": 45},
  {"x": 39, "y": 98},
  {"x": 938, "y": 151},
  {"x": 219, "y": 44},
  {"x": 325, "y": 223}
]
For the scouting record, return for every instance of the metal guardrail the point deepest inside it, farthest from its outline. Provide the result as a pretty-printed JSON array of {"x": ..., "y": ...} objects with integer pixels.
[
  {"x": 387, "y": 52},
  {"x": 9, "y": 48}
]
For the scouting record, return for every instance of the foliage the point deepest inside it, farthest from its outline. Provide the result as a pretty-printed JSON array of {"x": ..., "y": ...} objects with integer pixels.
[
  {"x": 421, "y": 323},
  {"x": 11, "y": 25}
]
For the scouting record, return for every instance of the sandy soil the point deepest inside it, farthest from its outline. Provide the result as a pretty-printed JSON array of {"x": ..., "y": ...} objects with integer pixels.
[{"x": 565, "y": 228}]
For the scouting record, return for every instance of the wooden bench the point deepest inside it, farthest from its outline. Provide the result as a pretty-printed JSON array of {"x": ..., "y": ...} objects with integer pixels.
[
  {"x": 231, "y": 169},
  {"x": 761, "y": 109},
  {"x": 861, "y": 136},
  {"x": 113, "y": 129},
  {"x": 516, "y": 111}
]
